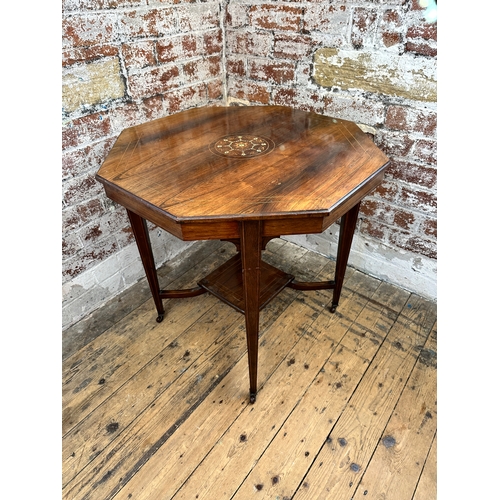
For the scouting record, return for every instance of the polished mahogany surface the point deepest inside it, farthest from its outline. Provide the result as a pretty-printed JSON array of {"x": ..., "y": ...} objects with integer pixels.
[
  {"x": 246, "y": 174},
  {"x": 197, "y": 173}
]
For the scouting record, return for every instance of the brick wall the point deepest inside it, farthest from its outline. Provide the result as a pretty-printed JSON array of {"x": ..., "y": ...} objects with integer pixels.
[
  {"x": 124, "y": 62},
  {"x": 370, "y": 62},
  {"x": 129, "y": 61}
]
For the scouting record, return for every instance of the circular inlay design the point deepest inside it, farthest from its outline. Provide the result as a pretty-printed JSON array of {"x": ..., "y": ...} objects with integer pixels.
[{"x": 242, "y": 146}]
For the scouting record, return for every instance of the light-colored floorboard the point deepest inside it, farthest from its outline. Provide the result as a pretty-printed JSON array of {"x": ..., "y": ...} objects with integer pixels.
[{"x": 346, "y": 407}]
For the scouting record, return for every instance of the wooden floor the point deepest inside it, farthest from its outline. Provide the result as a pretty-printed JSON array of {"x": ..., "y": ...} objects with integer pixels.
[{"x": 346, "y": 407}]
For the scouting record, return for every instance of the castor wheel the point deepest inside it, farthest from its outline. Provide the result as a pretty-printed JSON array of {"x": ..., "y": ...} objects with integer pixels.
[
  {"x": 160, "y": 317},
  {"x": 253, "y": 397}
]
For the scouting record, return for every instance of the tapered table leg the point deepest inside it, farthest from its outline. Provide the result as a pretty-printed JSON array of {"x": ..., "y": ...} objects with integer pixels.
[
  {"x": 251, "y": 244},
  {"x": 141, "y": 234},
  {"x": 347, "y": 227}
]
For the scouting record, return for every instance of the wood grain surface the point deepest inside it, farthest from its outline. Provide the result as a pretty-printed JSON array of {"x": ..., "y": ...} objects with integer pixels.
[
  {"x": 346, "y": 406},
  {"x": 205, "y": 165}
]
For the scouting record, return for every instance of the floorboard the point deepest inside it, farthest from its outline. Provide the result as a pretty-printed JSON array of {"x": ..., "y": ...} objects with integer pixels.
[{"x": 346, "y": 407}]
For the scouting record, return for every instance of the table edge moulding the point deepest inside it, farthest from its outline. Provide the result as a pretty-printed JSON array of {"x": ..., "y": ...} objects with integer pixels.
[{"x": 245, "y": 174}]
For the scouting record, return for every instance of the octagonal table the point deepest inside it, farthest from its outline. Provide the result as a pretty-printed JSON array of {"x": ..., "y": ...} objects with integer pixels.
[{"x": 246, "y": 174}]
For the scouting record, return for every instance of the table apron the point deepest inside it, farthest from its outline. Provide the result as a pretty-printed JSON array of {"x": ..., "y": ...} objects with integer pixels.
[{"x": 224, "y": 229}]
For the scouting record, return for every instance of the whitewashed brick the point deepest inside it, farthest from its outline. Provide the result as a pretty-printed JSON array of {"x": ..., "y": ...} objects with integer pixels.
[{"x": 129, "y": 61}]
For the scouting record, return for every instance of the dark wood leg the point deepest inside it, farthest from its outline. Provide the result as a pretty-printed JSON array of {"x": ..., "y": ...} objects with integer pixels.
[
  {"x": 347, "y": 226},
  {"x": 251, "y": 244},
  {"x": 141, "y": 234}
]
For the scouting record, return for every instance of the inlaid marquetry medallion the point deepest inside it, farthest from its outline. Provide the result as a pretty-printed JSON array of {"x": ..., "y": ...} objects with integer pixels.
[{"x": 242, "y": 146}]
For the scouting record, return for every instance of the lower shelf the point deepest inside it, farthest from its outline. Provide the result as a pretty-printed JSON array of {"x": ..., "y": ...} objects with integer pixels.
[{"x": 226, "y": 283}]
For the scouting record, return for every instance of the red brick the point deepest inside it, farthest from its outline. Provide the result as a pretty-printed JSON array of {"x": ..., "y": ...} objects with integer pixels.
[
  {"x": 399, "y": 238},
  {"x": 394, "y": 144},
  {"x": 426, "y": 151},
  {"x": 288, "y": 46},
  {"x": 299, "y": 98},
  {"x": 412, "y": 173},
  {"x": 212, "y": 42},
  {"x": 185, "y": 98},
  {"x": 168, "y": 50},
  {"x": 125, "y": 237},
  {"x": 202, "y": 69},
  {"x": 368, "y": 207},
  {"x": 214, "y": 65},
  {"x": 72, "y": 163},
  {"x": 153, "y": 107},
  {"x": 374, "y": 229},
  {"x": 88, "y": 258},
  {"x": 391, "y": 38},
  {"x": 235, "y": 15},
  {"x": 178, "y": 48},
  {"x": 276, "y": 17},
  {"x": 357, "y": 109},
  {"x": 404, "y": 219},
  {"x": 112, "y": 223},
  {"x": 415, "y": 5},
  {"x": 191, "y": 69},
  {"x": 153, "y": 82},
  {"x": 70, "y": 245},
  {"x": 81, "y": 189},
  {"x": 377, "y": 210},
  {"x": 391, "y": 17},
  {"x": 88, "y": 54},
  {"x": 198, "y": 17},
  {"x": 86, "y": 129},
  {"x": 89, "y": 158},
  {"x": 424, "y": 31},
  {"x": 149, "y": 23},
  {"x": 286, "y": 97},
  {"x": 235, "y": 66},
  {"x": 391, "y": 27},
  {"x": 423, "y": 48},
  {"x": 364, "y": 24},
  {"x": 429, "y": 227},
  {"x": 412, "y": 243},
  {"x": 126, "y": 115},
  {"x": 419, "y": 200},
  {"x": 189, "y": 45},
  {"x": 91, "y": 232},
  {"x": 304, "y": 73},
  {"x": 270, "y": 43},
  {"x": 215, "y": 90},
  {"x": 411, "y": 120},
  {"x": 387, "y": 190},
  {"x": 249, "y": 43},
  {"x": 139, "y": 55},
  {"x": 325, "y": 18},
  {"x": 88, "y": 30},
  {"x": 90, "y": 210},
  {"x": 252, "y": 91},
  {"x": 380, "y": 211},
  {"x": 271, "y": 71},
  {"x": 93, "y": 5},
  {"x": 70, "y": 219}
]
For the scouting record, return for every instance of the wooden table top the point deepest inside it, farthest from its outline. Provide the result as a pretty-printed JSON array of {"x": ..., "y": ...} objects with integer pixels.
[{"x": 226, "y": 164}]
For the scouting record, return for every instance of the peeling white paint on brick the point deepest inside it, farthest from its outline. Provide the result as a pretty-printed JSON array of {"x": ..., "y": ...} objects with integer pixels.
[
  {"x": 357, "y": 109},
  {"x": 177, "y": 55},
  {"x": 90, "y": 289},
  {"x": 415, "y": 273}
]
